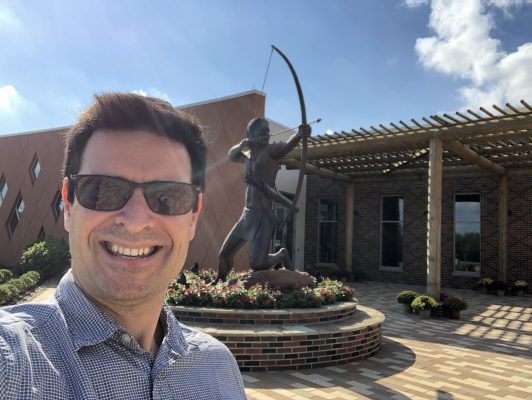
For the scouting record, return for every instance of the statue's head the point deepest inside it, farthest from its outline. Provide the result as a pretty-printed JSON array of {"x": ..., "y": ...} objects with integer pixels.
[{"x": 258, "y": 127}]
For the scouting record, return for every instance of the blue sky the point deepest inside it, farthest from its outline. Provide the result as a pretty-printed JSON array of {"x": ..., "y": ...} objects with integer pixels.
[{"x": 360, "y": 62}]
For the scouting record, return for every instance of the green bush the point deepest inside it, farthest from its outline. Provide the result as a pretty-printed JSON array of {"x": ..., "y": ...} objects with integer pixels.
[
  {"x": 33, "y": 275},
  {"x": 50, "y": 257},
  {"x": 19, "y": 283},
  {"x": 406, "y": 296},
  {"x": 5, "y": 275},
  {"x": 5, "y": 294},
  {"x": 13, "y": 290},
  {"x": 424, "y": 302}
]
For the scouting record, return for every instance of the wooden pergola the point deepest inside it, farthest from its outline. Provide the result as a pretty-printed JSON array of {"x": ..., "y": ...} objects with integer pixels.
[{"x": 496, "y": 142}]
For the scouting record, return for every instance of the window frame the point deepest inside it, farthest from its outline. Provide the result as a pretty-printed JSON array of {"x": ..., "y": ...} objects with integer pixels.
[
  {"x": 3, "y": 184},
  {"x": 35, "y": 162},
  {"x": 467, "y": 273},
  {"x": 57, "y": 197},
  {"x": 335, "y": 221},
  {"x": 15, "y": 211},
  {"x": 389, "y": 268}
]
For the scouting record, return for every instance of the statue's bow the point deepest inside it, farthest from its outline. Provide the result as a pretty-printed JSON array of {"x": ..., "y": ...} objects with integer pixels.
[{"x": 303, "y": 158}]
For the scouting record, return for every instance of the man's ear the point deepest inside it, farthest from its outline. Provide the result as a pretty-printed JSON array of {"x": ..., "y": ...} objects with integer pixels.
[
  {"x": 67, "y": 206},
  {"x": 195, "y": 216}
]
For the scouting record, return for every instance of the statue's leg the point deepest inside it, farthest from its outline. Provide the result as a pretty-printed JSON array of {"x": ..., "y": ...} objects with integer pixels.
[
  {"x": 281, "y": 257},
  {"x": 259, "y": 250},
  {"x": 229, "y": 248}
]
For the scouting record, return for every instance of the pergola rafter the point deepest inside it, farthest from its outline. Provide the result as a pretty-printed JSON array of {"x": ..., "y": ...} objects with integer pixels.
[{"x": 469, "y": 143}]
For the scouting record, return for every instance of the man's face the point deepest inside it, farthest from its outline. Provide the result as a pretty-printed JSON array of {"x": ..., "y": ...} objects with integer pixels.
[
  {"x": 110, "y": 278},
  {"x": 261, "y": 133}
]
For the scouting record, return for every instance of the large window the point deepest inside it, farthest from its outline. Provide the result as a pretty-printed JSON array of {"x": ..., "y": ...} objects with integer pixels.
[
  {"x": 16, "y": 214},
  {"x": 327, "y": 235},
  {"x": 392, "y": 231},
  {"x": 3, "y": 189},
  {"x": 467, "y": 233},
  {"x": 35, "y": 168},
  {"x": 284, "y": 235}
]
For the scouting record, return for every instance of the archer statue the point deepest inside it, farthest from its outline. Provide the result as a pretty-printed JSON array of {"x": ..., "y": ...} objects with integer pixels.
[{"x": 257, "y": 222}]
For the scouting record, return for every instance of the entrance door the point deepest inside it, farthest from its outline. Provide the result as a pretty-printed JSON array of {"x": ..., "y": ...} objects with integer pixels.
[{"x": 283, "y": 236}]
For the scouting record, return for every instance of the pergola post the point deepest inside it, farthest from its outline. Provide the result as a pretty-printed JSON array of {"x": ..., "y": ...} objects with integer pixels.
[
  {"x": 502, "y": 269},
  {"x": 434, "y": 218},
  {"x": 349, "y": 226}
]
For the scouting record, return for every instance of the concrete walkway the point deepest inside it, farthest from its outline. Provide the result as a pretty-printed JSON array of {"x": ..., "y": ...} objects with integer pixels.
[{"x": 485, "y": 355}]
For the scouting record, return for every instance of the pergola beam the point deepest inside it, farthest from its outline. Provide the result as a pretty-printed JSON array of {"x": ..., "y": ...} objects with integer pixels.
[
  {"x": 312, "y": 169},
  {"x": 469, "y": 155}
]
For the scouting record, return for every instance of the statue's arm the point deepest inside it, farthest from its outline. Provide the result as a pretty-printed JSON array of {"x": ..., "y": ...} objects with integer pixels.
[
  {"x": 279, "y": 150},
  {"x": 235, "y": 153}
]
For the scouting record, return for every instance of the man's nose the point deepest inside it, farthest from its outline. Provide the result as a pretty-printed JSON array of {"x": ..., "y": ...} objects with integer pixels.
[{"x": 135, "y": 215}]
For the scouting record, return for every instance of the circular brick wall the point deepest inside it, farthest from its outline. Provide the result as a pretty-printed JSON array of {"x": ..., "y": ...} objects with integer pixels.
[{"x": 270, "y": 347}]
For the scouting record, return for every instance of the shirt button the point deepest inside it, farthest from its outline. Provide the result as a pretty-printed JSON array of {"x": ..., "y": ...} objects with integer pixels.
[{"x": 126, "y": 338}]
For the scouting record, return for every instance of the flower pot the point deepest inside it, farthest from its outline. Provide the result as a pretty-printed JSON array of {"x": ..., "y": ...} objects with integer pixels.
[
  {"x": 520, "y": 292},
  {"x": 500, "y": 292},
  {"x": 454, "y": 314},
  {"x": 425, "y": 313},
  {"x": 406, "y": 308},
  {"x": 487, "y": 290}
]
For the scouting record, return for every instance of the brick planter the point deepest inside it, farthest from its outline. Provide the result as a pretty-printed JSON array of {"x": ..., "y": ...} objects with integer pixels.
[{"x": 353, "y": 333}]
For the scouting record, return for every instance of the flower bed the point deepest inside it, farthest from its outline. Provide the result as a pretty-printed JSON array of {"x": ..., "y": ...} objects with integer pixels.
[{"x": 199, "y": 292}]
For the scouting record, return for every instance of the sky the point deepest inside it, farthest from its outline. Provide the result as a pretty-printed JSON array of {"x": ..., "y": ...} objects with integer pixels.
[{"x": 360, "y": 62}]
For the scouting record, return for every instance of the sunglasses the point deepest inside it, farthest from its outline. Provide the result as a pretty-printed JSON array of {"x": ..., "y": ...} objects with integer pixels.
[{"x": 110, "y": 193}]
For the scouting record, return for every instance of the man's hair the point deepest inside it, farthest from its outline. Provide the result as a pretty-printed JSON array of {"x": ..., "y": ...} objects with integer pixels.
[
  {"x": 129, "y": 111},
  {"x": 253, "y": 124}
]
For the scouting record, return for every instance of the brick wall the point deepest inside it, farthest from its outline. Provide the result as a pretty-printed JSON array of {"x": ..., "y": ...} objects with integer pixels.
[{"x": 366, "y": 237}]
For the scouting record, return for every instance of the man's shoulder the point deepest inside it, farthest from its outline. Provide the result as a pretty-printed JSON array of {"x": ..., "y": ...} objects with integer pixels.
[
  {"x": 26, "y": 317},
  {"x": 200, "y": 341}
]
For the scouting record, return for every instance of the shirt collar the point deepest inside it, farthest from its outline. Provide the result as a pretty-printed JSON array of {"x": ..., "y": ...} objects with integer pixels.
[{"x": 88, "y": 325}]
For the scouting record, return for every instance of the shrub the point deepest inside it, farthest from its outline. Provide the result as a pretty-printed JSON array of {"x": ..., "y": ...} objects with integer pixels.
[
  {"x": 455, "y": 303},
  {"x": 520, "y": 284},
  {"x": 19, "y": 283},
  {"x": 485, "y": 282},
  {"x": 5, "y": 294},
  {"x": 424, "y": 302},
  {"x": 34, "y": 275},
  {"x": 14, "y": 292},
  {"x": 406, "y": 296},
  {"x": 5, "y": 275},
  {"x": 50, "y": 257}
]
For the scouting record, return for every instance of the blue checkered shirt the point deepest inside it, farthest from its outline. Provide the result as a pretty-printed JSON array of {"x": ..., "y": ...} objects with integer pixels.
[{"x": 69, "y": 349}]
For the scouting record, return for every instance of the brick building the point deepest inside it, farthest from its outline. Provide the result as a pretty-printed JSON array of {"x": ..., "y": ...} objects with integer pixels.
[{"x": 443, "y": 202}]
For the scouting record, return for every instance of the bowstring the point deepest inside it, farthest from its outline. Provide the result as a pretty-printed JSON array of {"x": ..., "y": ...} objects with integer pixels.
[{"x": 267, "y": 69}]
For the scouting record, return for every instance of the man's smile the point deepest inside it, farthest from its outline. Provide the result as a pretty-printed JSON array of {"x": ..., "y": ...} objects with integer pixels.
[{"x": 130, "y": 252}]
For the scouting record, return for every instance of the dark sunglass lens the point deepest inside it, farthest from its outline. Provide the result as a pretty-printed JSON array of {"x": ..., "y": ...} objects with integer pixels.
[
  {"x": 170, "y": 198},
  {"x": 102, "y": 193}
]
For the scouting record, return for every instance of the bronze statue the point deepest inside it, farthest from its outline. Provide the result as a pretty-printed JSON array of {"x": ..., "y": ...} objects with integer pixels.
[{"x": 257, "y": 222}]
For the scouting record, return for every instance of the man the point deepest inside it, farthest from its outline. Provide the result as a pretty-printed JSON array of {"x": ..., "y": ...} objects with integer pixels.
[
  {"x": 134, "y": 170},
  {"x": 257, "y": 222}
]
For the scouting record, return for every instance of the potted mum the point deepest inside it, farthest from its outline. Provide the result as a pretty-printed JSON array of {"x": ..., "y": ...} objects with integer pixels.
[
  {"x": 520, "y": 287},
  {"x": 406, "y": 297},
  {"x": 485, "y": 283},
  {"x": 455, "y": 304},
  {"x": 423, "y": 305}
]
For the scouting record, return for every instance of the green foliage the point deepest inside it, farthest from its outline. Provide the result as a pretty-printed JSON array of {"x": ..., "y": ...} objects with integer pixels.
[
  {"x": 424, "y": 302},
  {"x": 5, "y": 294},
  {"x": 50, "y": 257},
  {"x": 5, "y": 275},
  {"x": 455, "y": 303},
  {"x": 198, "y": 292},
  {"x": 19, "y": 283},
  {"x": 406, "y": 296},
  {"x": 520, "y": 284},
  {"x": 485, "y": 282}
]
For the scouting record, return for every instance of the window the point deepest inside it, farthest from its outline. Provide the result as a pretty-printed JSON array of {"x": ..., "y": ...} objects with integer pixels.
[
  {"x": 35, "y": 168},
  {"x": 327, "y": 232},
  {"x": 392, "y": 231},
  {"x": 467, "y": 233},
  {"x": 16, "y": 214},
  {"x": 3, "y": 189},
  {"x": 58, "y": 205},
  {"x": 283, "y": 236}
]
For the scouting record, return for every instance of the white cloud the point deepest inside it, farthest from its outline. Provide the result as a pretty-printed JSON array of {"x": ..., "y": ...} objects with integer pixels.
[
  {"x": 153, "y": 93},
  {"x": 8, "y": 21},
  {"x": 463, "y": 47},
  {"x": 15, "y": 110},
  {"x": 415, "y": 3}
]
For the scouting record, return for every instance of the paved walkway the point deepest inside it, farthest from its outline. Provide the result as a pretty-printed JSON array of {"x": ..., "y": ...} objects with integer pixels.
[{"x": 485, "y": 355}]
